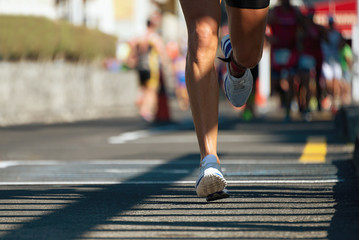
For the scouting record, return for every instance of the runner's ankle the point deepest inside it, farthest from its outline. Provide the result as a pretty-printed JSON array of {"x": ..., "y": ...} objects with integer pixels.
[{"x": 235, "y": 69}]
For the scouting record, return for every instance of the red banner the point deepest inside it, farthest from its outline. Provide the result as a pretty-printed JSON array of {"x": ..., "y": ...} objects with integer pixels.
[{"x": 344, "y": 13}]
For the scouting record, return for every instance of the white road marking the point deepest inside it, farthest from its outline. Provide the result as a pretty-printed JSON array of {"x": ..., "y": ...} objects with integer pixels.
[
  {"x": 136, "y": 170},
  {"x": 7, "y": 164},
  {"x": 304, "y": 181},
  {"x": 12, "y": 163},
  {"x": 142, "y": 137},
  {"x": 134, "y": 135},
  {"x": 129, "y": 136},
  {"x": 151, "y": 163}
]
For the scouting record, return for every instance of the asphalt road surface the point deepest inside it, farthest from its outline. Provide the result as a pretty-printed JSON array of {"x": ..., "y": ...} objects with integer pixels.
[{"x": 124, "y": 179}]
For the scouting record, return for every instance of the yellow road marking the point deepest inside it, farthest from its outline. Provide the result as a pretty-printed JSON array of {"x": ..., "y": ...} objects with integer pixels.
[{"x": 314, "y": 151}]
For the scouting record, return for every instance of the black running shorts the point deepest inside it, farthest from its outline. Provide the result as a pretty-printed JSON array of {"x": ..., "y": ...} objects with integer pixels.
[{"x": 249, "y": 4}]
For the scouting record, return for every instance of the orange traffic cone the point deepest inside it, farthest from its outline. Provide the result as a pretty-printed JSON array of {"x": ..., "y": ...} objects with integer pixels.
[
  {"x": 163, "y": 112},
  {"x": 259, "y": 99}
]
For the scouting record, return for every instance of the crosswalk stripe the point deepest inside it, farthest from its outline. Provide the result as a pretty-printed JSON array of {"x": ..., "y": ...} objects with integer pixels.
[
  {"x": 143, "y": 162},
  {"x": 264, "y": 181}
]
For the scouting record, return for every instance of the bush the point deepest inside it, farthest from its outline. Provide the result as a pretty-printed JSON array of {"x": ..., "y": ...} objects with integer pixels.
[{"x": 37, "y": 38}]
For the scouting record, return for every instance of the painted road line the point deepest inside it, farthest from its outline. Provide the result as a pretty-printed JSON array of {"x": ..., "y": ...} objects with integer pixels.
[
  {"x": 314, "y": 151},
  {"x": 129, "y": 136},
  {"x": 149, "y": 162},
  {"x": 299, "y": 181},
  {"x": 134, "y": 135},
  {"x": 185, "y": 124},
  {"x": 142, "y": 137},
  {"x": 240, "y": 138}
]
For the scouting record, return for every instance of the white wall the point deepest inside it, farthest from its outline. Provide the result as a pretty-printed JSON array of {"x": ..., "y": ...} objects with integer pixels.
[
  {"x": 127, "y": 29},
  {"x": 101, "y": 15},
  {"x": 28, "y": 7},
  {"x": 76, "y": 14}
]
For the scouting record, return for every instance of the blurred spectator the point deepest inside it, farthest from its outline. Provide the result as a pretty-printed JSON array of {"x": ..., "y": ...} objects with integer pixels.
[
  {"x": 346, "y": 62},
  {"x": 284, "y": 21},
  {"x": 310, "y": 61},
  {"x": 177, "y": 53},
  {"x": 332, "y": 70},
  {"x": 145, "y": 56}
]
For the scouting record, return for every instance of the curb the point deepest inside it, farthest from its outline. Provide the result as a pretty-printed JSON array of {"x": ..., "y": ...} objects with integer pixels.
[
  {"x": 347, "y": 122},
  {"x": 356, "y": 156}
]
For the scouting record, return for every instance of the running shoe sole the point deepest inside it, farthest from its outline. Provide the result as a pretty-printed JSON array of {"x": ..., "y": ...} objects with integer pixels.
[{"x": 210, "y": 183}]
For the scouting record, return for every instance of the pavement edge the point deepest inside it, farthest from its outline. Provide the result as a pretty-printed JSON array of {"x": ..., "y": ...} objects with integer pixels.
[
  {"x": 347, "y": 122},
  {"x": 356, "y": 157}
]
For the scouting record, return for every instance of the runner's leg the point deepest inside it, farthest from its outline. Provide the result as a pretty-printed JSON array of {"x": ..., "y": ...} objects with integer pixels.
[
  {"x": 202, "y": 19},
  {"x": 246, "y": 28}
]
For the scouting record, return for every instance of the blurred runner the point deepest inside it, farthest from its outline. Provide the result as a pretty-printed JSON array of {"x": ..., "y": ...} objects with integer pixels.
[
  {"x": 145, "y": 57},
  {"x": 284, "y": 21},
  {"x": 310, "y": 61},
  {"x": 177, "y": 53},
  {"x": 332, "y": 70}
]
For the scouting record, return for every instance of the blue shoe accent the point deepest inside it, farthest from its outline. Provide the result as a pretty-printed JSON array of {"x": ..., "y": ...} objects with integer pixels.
[
  {"x": 226, "y": 46},
  {"x": 199, "y": 180}
]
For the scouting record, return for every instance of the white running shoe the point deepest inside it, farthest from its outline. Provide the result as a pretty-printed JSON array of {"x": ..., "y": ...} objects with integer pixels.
[
  {"x": 237, "y": 90},
  {"x": 210, "y": 179}
]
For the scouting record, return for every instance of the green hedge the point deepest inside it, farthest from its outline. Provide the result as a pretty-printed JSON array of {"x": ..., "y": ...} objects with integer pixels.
[{"x": 37, "y": 38}]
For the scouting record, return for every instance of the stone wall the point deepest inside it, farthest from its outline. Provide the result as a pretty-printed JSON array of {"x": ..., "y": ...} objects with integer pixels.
[{"x": 33, "y": 92}]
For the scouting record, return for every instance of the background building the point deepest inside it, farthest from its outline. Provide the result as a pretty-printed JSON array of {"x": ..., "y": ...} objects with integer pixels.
[{"x": 122, "y": 18}]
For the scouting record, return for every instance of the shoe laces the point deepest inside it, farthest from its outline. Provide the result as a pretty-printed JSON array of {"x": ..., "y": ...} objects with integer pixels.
[
  {"x": 211, "y": 165},
  {"x": 239, "y": 85}
]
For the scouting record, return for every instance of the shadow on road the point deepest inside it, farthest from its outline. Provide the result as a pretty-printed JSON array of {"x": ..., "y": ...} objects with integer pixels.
[
  {"x": 345, "y": 222},
  {"x": 89, "y": 206}
]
